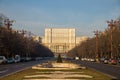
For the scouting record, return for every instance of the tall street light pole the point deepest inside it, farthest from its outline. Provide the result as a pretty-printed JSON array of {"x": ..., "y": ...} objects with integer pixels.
[
  {"x": 8, "y": 23},
  {"x": 97, "y": 53},
  {"x": 111, "y": 25},
  {"x": 1, "y": 45}
]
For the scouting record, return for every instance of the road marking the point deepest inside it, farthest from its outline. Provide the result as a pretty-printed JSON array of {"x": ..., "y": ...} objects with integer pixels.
[
  {"x": 22, "y": 69},
  {"x": 3, "y": 71}
]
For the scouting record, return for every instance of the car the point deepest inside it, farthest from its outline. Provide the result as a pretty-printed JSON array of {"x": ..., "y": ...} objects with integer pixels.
[
  {"x": 84, "y": 59},
  {"x": 118, "y": 60},
  {"x": 17, "y": 58},
  {"x": 92, "y": 59},
  {"x": 28, "y": 58},
  {"x": 3, "y": 59},
  {"x": 38, "y": 58},
  {"x": 76, "y": 58},
  {"x": 23, "y": 59},
  {"x": 106, "y": 61},
  {"x": 113, "y": 61},
  {"x": 102, "y": 60},
  {"x": 10, "y": 60}
]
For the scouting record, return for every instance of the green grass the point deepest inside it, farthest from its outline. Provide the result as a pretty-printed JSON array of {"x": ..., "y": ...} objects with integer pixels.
[{"x": 20, "y": 75}]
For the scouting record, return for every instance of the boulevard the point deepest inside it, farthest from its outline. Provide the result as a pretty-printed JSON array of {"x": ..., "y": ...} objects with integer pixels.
[
  {"x": 40, "y": 34},
  {"x": 8, "y": 69},
  {"x": 111, "y": 70}
]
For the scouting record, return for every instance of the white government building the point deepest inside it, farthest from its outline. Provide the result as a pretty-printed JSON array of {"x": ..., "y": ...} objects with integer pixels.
[{"x": 61, "y": 40}]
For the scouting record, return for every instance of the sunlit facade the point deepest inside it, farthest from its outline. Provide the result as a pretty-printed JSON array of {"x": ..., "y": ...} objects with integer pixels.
[
  {"x": 37, "y": 39},
  {"x": 81, "y": 39},
  {"x": 60, "y": 40}
]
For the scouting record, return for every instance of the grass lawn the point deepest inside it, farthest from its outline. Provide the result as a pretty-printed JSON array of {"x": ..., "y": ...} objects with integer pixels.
[{"x": 20, "y": 75}]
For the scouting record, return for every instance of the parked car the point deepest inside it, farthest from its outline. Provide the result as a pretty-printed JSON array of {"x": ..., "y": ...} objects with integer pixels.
[
  {"x": 102, "y": 60},
  {"x": 76, "y": 58},
  {"x": 118, "y": 60},
  {"x": 84, "y": 59},
  {"x": 113, "y": 61},
  {"x": 106, "y": 61},
  {"x": 28, "y": 58},
  {"x": 92, "y": 59},
  {"x": 23, "y": 59},
  {"x": 38, "y": 58},
  {"x": 3, "y": 59},
  {"x": 11, "y": 60},
  {"x": 17, "y": 58}
]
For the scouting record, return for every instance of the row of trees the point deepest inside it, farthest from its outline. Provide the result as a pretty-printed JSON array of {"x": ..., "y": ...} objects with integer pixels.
[
  {"x": 104, "y": 44},
  {"x": 14, "y": 42}
]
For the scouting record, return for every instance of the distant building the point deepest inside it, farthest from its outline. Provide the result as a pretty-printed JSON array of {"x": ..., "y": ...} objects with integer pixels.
[
  {"x": 60, "y": 40},
  {"x": 37, "y": 38},
  {"x": 79, "y": 40}
]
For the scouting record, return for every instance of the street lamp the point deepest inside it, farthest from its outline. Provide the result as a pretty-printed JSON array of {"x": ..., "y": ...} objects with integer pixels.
[
  {"x": 0, "y": 42},
  {"x": 111, "y": 24},
  {"x": 8, "y": 23},
  {"x": 97, "y": 41}
]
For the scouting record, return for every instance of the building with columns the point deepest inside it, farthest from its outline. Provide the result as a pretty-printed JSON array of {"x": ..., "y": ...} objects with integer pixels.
[{"x": 60, "y": 40}]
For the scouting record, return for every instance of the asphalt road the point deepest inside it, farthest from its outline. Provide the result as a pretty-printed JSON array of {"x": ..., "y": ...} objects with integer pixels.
[
  {"x": 111, "y": 70},
  {"x": 8, "y": 69}
]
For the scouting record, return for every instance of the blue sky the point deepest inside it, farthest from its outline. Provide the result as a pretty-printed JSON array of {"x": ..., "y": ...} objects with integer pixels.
[{"x": 84, "y": 15}]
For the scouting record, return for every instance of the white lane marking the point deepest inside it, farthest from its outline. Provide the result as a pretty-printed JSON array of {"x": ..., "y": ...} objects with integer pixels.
[{"x": 3, "y": 71}]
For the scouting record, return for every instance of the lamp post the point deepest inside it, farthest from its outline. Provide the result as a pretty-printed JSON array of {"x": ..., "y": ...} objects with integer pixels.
[
  {"x": 111, "y": 24},
  {"x": 23, "y": 33},
  {"x": 0, "y": 42},
  {"x": 97, "y": 41},
  {"x": 119, "y": 50},
  {"x": 8, "y": 23}
]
